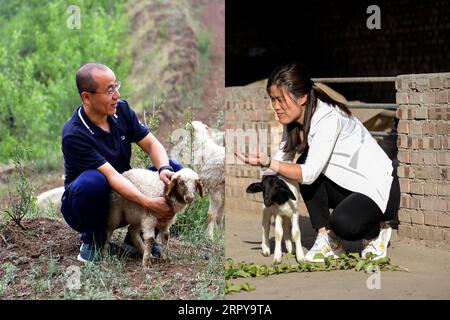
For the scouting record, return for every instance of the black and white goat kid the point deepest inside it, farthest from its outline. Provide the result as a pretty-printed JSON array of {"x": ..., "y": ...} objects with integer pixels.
[{"x": 280, "y": 201}]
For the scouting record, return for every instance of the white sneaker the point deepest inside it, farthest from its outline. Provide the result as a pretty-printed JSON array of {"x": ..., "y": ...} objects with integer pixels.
[
  {"x": 326, "y": 246},
  {"x": 378, "y": 246}
]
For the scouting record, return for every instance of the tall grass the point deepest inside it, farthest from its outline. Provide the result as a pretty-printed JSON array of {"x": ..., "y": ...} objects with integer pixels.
[{"x": 39, "y": 55}]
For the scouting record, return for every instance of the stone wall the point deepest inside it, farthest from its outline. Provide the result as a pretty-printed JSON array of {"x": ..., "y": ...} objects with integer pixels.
[
  {"x": 246, "y": 108},
  {"x": 424, "y": 156},
  {"x": 423, "y": 152}
]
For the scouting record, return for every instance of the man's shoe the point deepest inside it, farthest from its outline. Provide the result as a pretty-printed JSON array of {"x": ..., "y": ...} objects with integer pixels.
[
  {"x": 89, "y": 252},
  {"x": 326, "y": 246},
  {"x": 156, "y": 250},
  {"x": 378, "y": 246}
]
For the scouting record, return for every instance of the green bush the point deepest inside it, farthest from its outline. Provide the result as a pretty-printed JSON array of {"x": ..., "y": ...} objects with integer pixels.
[
  {"x": 191, "y": 224},
  {"x": 39, "y": 56}
]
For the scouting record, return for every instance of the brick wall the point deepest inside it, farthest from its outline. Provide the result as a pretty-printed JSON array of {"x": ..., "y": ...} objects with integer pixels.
[
  {"x": 424, "y": 156},
  {"x": 246, "y": 108},
  {"x": 423, "y": 152}
]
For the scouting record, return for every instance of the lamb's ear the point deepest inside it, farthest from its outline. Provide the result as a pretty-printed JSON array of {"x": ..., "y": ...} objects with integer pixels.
[
  {"x": 172, "y": 184},
  {"x": 199, "y": 186},
  {"x": 289, "y": 193},
  {"x": 255, "y": 187}
]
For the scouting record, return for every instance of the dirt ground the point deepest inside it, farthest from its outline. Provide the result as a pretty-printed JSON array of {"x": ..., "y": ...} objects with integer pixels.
[
  {"x": 428, "y": 276},
  {"x": 49, "y": 243}
]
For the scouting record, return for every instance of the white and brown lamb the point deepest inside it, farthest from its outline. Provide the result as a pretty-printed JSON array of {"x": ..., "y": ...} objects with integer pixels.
[
  {"x": 179, "y": 193},
  {"x": 209, "y": 162}
]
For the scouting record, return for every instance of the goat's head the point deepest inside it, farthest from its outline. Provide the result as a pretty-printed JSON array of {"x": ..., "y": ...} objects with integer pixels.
[
  {"x": 184, "y": 184},
  {"x": 274, "y": 190},
  {"x": 201, "y": 129}
]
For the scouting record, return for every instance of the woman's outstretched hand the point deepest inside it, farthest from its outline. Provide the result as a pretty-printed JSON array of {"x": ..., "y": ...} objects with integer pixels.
[{"x": 257, "y": 159}]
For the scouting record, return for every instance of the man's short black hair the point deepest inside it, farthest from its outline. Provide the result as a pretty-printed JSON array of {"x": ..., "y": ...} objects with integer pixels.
[{"x": 85, "y": 80}]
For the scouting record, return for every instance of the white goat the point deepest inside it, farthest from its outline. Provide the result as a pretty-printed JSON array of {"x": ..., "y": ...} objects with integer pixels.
[
  {"x": 180, "y": 192},
  {"x": 50, "y": 199},
  {"x": 280, "y": 201},
  {"x": 209, "y": 162}
]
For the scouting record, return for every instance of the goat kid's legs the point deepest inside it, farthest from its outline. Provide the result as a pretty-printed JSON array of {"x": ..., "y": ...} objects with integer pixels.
[
  {"x": 287, "y": 234},
  {"x": 149, "y": 239},
  {"x": 278, "y": 235},
  {"x": 296, "y": 237},
  {"x": 165, "y": 249},
  {"x": 215, "y": 214},
  {"x": 106, "y": 243},
  {"x": 265, "y": 246}
]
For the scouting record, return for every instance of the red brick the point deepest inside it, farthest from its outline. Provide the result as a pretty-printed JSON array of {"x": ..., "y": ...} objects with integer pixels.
[
  {"x": 415, "y": 127},
  {"x": 430, "y": 233},
  {"x": 426, "y": 143},
  {"x": 415, "y": 97},
  {"x": 402, "y": 112},
  {"x": 442, "y": 113},
  {"x": 405, "y": 231},
  {"x": 428, "y": 127},
  {"x": 405, "y": 185},
  {"x": 436, "y": 82},
  {"x": 444, "y": 220},
  {"x": 447, "y": 236},
  {"x": 446, "y": 143},
  {"x": 403, "y": 126},
  {"x": 402, "y": 98},
  {"x": 443, "y": 158},
  {"x": 416, "y": 187},
  {"x": 431, "y": 218},
  {"x": 413, "y": 142},
  {"x": 428, "y": 97},
  {"x": 442, "y": 127},
  {"x": 405, "y": 201},
  {"x": 445, "y": 174},
  {"x": 421, "y": 113},
  {"x": 402, "y": 141},
  {"x": 429, "y": 158},
  {"x": 443, "y": 189},
  {"x": 404, "y": 156},
  {"x": 442, "y": 96},
  {"x": 401, "y": 85},
  {"x": 437, "y": 143},
  {"x": 424, "y": 233},
  {"x": 422, "y": 83},
  {"x": 426, "y": 203},
  {"x": 404, "y": 216},
  {"x": 409, "y": 202},
  {"x": 440, "y": 205},
  {"x": 427, "y": 173},
  {"x": 429, "y": 188},
  {"x": 416, "y": 157},
  {"x": 405, "y": 172}
]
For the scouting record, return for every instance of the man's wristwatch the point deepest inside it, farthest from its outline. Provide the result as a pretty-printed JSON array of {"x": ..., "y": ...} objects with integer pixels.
[
  {"x": 267, "y": 163},
  {"x": 165, "y": 168}
]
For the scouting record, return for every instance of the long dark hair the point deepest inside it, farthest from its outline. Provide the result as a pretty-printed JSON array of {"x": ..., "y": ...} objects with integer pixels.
[{"x": 294, "y": 79}]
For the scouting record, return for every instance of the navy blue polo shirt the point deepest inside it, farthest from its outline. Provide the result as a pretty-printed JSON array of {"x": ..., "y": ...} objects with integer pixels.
[{"x": 86, "y": 146}]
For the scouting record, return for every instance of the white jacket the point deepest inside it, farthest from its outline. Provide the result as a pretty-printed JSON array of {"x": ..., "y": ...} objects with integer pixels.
[{"x": 343, "y": 150}]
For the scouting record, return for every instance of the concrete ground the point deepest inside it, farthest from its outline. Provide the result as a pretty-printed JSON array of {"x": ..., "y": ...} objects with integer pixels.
[{"x": 428, "y": 276}]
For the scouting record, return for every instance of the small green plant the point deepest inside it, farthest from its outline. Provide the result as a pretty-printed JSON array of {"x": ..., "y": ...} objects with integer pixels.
[
  {"x": 140, "y": 158},
  {"x": 192, "y": 223},
  {"x": 344, "y": 262},
  {"x": 9, "y": 274},
  {"x": 22, "y": 200},
  {"x": 237, "y": 287}
]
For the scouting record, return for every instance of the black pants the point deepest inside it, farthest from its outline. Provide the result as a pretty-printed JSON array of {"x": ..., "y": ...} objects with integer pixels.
[{"x": 355, "y": 216}]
